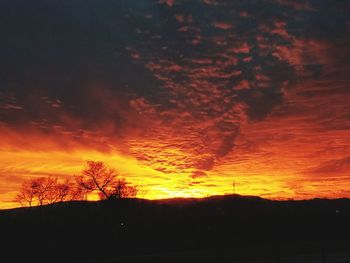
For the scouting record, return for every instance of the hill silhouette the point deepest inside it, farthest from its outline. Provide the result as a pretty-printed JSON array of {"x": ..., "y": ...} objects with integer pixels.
[{"x": 241, "y": 226}]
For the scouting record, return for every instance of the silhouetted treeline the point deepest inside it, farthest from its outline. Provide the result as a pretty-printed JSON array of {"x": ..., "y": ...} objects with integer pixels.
[
  {"x": 246, "y": 226},
  {"x": 95, "y": 178}
]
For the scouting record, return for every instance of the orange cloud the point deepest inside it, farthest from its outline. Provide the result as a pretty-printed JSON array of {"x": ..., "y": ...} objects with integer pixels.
[
  {"x": 301, "y": 150},
  {"x": 184, "y": 100},
  {"x": 222, "y": 25}
]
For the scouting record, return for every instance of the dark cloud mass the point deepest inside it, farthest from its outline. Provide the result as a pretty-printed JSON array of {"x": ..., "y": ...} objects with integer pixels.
[{"x": 171, "y": 83}]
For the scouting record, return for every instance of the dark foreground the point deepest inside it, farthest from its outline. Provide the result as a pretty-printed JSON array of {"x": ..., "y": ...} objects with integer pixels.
[{"x": 217, "y": 229}]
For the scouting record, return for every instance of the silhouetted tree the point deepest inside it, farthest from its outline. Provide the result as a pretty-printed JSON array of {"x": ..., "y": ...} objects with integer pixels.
[
  {"x": 47, "y": 190},
  {"x": 123, "y": 189},
  {"x": 95, "y": 177},
  {"x": 27, "y": 193},
  {"x": 98, "y": 177},
  {"x": 62, "y": 191},
  {"x": 71, "y": 190},
  {"x": 68, "y": 190}
]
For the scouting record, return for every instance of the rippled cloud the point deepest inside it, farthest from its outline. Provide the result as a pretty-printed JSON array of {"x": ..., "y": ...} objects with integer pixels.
[{"x": 191, "y": 94}]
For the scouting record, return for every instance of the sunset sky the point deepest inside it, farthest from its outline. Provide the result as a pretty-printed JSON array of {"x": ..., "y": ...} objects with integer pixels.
[{"x": 182, "y": 97}]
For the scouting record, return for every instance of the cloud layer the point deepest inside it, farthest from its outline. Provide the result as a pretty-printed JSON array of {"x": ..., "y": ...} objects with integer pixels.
[{"x": 182, "y": 96}]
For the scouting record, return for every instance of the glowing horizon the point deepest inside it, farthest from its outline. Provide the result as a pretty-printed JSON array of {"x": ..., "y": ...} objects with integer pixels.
[{"x": 181, "y": 98}]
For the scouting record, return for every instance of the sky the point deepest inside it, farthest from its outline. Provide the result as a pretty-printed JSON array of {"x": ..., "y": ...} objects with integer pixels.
[{"x": 181, "y": 97}]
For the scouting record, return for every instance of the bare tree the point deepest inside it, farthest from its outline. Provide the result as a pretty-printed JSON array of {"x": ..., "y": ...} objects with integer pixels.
[
  {"x": 62, "y": 191},
  {"x": 95, "y": 177},
  {"x": 78, "y": 191},
  {"x": 123, "y": 189},
  {"x": 98, "y": 177},
  {"x": 46, "y": 190},
  {"x": 70, "y": 190},
  {"x": 27, "y": 193}
]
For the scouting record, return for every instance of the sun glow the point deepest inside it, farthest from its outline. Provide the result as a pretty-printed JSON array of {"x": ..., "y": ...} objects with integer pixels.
[
  {"x": 21, "y": 165},
  {"x": 258, "y": 179},
  {"x": 18, "y": 166}
]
